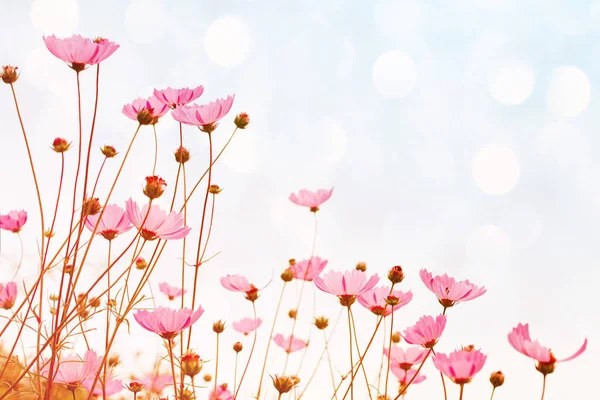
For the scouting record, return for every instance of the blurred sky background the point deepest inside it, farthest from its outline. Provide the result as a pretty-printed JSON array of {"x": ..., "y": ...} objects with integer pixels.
[{"x": 458, "y": 134}]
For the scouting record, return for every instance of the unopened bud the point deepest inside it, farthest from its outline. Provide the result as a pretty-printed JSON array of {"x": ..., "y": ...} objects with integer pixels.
[
  {"x": 95, "y": 302},
  {"x": 68, "y": 269},
  {"x": 321, "y": 322},
  {"x": 60, "y": 145},
  {"x": 9, "y": 74},
  {"x": 140, "y": 263},
  {"x": 395, "y": 275},
  {"x": 396, "y": 337},
  {"x": 287, "y": 275},
  {"x": 214, "y": 189},
  {"x": 392, "y": 300},
  {"x": 241, "y": 120},
  {"x": 53, "y": 297},
  {"x": 191, "y": 364},
  {"x": 219, "y": 326},
  {"x": 237, "y": 347},
  {"x": 468, "y": 348},
  {"x": 91, "y": 206},
  {"x": 109, "y": 151},
  {"x": 361, "y": 266},
  {"x": 135, "y": 387},
  {"x": 292, "y": 261},
  {"x": 48, "y": 234},
  {"x": 207, "y": 378},
  {"x": 113, "y": 361},
  {"x": 182, "y": 155},
  {"x": 52, "y": 310},
  {"x": 292, "y": 314},
  {"x": 186, "y": 394},
  {"x": 497, "y": 379},
  {"x": 155, "y": 187}
]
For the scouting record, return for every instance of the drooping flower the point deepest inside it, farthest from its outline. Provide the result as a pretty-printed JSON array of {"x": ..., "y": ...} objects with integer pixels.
[
  {"x": 238, "y": 283},
  {"x": 460, "y": 365},
  {"x": 448, "y": 290},
  {"x": 156, "y": 383},
  {"x": 79, "y": 52},
  {"x": 145, "y": 111},
  {"x": 72, "y": 370},
  {"x": 247, "y": 325},
  {"x": 205, "y": 116},
  {"x": 13, "y": 221},
  {"x": 405, "y": 359},
  {"x": 170, "y": 291},
  {"x": 221, "y": 393},
  {"x": 8, "y": 295},
  {"x": 114, "y": 222},
  {"x": 426, "y": 332},
  {"x": 520, "y": 340},
  {"x": 289, "y": 344},
  {"x": 113, "y": 386},
  {"x": 346, "y": 285},
  {"x": 404, "y": 376},
  {"x": 158, "y": 224},
  {"x": 308, "y": 269},
  {"x": 310, "y": 199},
  {"x": 167, "y": 322},
  {"x": 380, "y": 301},
  {"x": 178, "y": 97}
]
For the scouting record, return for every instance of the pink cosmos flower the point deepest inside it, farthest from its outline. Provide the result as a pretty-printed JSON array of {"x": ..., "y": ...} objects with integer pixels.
[
  {"x": 166, "y": 322},
  {"x": 13, "y": 221},
  {"x": 520, "y": 340},
  {"x": 405, "y": 359},
  {"x": 8, "y": 295},
  {"x": 171, "y": 291},
  {"x": 114, "y": 222},
  {"x": 289, "y": 344},
  {"x": 346, "y": 285},
  {"x": 460, "y": 365},
  {"x": 157, "y": 383},
  {"x": 145, "y": 111},
  {"x": 78, "y": 52},
  {"x": 404, "y": 376},
  {"x": 448, "y": 291},
  {"x": 238, "y": 283},
  {"x": 307, "y": 270},
  {"x": 204, "y": 116},
  {"x": 178, "y": 97},
  {"x": 113, "y": 386},
  {"x": 247, "y": 325},
  {"x": 72, "y": 371},
  {"x": 426, "y": 332},
  {"x": 310, "y": 199},
  {"x": 158, "y": 224},
  {"x": 380, "y": 301},
  {"x": 222, "y": 393}
]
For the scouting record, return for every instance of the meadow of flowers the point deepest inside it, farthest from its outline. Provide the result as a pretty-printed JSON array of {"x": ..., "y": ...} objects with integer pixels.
[{"x": 40, "y": 329}]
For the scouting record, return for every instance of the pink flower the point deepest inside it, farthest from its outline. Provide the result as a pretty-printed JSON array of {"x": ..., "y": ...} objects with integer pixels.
[
  {"x": 426, "y": 332},
  {"x": 238, "y": 283},
  {"x": 78, "y": 52},
  {"x": 72, "y": 371},
  {"x": 460, "y": 365},
  {"x": 166, "y": 322},
  {"x": 158, "y": 224},
  {"x": 289, "y": 344},
  {"x": 380, "y": 301},
  {"x": 449, "y": 291},
  {"x": 171, "y": 291},
  {"x": 113, "y": 386},
  {"x": 222, "y": 393},
  {"x": 178, "y": 97},
  {"x": 520, "y": 340},
  {"x": 405, "y": 359},
  {"x": 307, "y": 270},
  {"x": 8, "y": 295},
  {"x": 346, "y": 285},
  {"x": 204, "y": 116},
  {"x": 145, "y": 111},
  {"x": 313, "y": 200},
  {"x": 157, "y": 383},
  {"x": 114, "y": 222},
  {"x": 13, "y": 221},
  {"x": 404, "y": 376},
  {"x": 247, "y": 325}
]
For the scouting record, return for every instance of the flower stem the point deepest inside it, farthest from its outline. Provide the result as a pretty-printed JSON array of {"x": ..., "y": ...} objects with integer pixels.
[
  {"x": 249, "y": 358},
  {"x": 351, "y": 361},
  {"x": 462, "y": 390},
  {"x": 493, "y": 391},
  {"x": 170, "y": 344},
  {"x": 414, "y": 376},
  {"x": 216, "y": 365},
  {"x": 387, "y": 374},
  {"x": 544, "y": 387}
]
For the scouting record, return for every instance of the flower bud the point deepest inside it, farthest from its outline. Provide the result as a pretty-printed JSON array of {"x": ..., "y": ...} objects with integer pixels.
[
  {"x": 95, "y": 302},
  {"x": 392, "y": 300},
  {"x": 53, "y": 297},
  {"x": 321, "y": 322},
  {"x": 287, "y": 275},
  {"x": 284, "y": 384},
  {"x": 109, "y": 151},
  {"x": 237, "y": 347},
  {"x": 207, "y": 378},
  {"x": 241, "y": 120},
  {"x": 135, "y": 387},
  {"x": 252, "y": 294},
  {"x": 468, "y": 348},
  {"x": 140, "y": 263},
  {"x": 396, "y": 337},
  {"x": 292, "y": 261},
  {"x": 361, "y": 266},
  {"x": 91, "y": 206},
  {"x": 186, "y": 394},
  {"x": 68, "y": 269},
  {"x": 219, "y": 326},
  {"x": 292, "y": 314},
  {"x": 191, "y": 364},
  {"x": 60, "y": 145},
  {"x": 48, "y": 234},
  {"x": 395, "y": 275},
  {"x": 155, "y": 186},
  {"x": 113, "y": 361},
  {"x": 182, "y": 155},
  {"x": 497, "y": 379},
  {"x": 214, "y": 189},
  {"x": 9, "y": 74}
]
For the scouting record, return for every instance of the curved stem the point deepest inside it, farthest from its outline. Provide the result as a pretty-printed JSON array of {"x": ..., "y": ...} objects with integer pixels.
[
  {"x": 170, "y": 344},
  {"x": 249, "y": 358},
  {"x": 544, "y": 387},
  {"x": 108, "y": 306},
  {"x": 493, "y": 391},
  {"x": 387, "y": 374}
]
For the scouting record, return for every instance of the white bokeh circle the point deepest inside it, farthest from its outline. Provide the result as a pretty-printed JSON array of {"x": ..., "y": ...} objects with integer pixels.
[
  {"x": 511, "y": 82},
  {"x": 58, "y": 17},
  {"x": 44, "y": 71},
  {"x": 495, "y": 169},
  {"x": 522, "y": 223},
  {"x": 489, "y": 243},
  {"x": 144, "y": 21},
  {"x": 227, "y": 41},
  {"x": 569, "y": 92},
  {"x": 394, "y": 74}
]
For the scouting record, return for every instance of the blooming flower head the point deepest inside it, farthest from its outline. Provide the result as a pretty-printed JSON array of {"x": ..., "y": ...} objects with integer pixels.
[
  {"x": 167, "y": 322},
  {"x": 449, "y": 291},
  {"x": 404, "y": 376},
  {"x": 346, "y": 285},
  {"x": 221, "y": 393},
  {"x": 405, "y": 359},
  {"x": 310, "y": 199},
  {"x": 289, "y": 344},
  {"x": 72, "y": 370},
  {"x": 238, "y": 283},
  {"x": 158, "y": 224},
  {"x": 145, "y": 111},
  {"x": 460, "y": 365},
  {"x": 307, "y": 270},
  {"x": 178, "y": 97},
  {"x": 520, "y": 340},
  {"x": 114, "y": 222},
  {"x": 204, "y": 116},
  {"x": 380, "y": 301},
  {"x": 13, "y": 221},
  {"x": 156, "y": 383},
  {"x": 8, "y": 295},
  {"x": 113, "y": 386},
  {"x": 426, "y": 332},
  {"x": 79, "y": 52},
  {"x": 170, "y": 291},
  {"x": 247, "y": 325}
]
